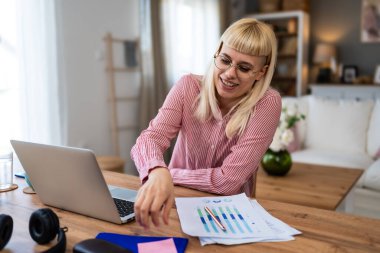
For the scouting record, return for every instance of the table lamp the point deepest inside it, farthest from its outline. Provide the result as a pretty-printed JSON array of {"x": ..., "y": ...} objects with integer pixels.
[{"x": 324, "y": 56}]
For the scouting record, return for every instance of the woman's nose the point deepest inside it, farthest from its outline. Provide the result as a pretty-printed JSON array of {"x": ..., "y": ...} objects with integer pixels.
[{"x": 231, "y": 71}]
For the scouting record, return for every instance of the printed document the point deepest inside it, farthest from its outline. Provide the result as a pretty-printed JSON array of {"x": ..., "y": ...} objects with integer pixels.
[
  {"x": 233, "y": 220},
  {"x": 236, "y": 213}
]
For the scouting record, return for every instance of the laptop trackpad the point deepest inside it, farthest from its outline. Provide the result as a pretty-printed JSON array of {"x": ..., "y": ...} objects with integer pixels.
[{"x": 122, "y": 193}]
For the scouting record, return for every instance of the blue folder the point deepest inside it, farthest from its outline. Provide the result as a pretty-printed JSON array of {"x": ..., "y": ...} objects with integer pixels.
[{"x": 130, "y": 241}]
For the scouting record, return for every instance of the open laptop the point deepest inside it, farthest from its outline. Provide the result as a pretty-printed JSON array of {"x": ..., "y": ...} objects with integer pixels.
[{"x": 70, "y": 179}]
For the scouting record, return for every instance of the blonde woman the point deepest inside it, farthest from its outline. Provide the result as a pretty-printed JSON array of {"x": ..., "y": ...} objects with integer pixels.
[{"x": 225, "y": 122}]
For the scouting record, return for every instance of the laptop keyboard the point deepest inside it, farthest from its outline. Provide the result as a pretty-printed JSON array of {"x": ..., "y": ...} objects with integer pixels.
[{"x": 124, "y": 207}]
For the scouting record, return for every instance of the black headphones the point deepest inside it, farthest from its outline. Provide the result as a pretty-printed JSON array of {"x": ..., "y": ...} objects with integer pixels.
[{"x": 43, "y": 227}]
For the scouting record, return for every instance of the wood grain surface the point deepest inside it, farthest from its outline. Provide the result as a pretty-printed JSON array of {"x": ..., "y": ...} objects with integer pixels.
[
  {"x": 323, "y": 230},
  {"x": 308, "y": 185}
]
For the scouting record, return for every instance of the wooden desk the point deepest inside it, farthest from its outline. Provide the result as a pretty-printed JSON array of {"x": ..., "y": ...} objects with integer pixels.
[
  {"x": 323, "y": 230},
  {"x": 308, "y": 185}
]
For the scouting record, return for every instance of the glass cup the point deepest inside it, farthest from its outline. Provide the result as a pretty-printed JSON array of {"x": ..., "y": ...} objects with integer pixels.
[{"x": 6, "y": 169}]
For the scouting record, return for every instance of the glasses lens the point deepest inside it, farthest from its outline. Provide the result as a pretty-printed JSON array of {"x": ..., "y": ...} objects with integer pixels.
[{"x": 223, "y": 63}]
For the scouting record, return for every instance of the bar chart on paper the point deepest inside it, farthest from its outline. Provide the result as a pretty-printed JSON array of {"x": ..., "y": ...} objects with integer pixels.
[
  {"x": 234, "y": 214},
  {"x": 229, "y": 216}
]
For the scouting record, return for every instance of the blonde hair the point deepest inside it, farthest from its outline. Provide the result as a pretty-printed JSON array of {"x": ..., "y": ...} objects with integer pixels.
[{"x": 247, "y": 36}]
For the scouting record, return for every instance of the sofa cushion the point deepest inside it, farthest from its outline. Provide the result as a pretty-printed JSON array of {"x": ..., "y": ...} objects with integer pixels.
[
  {"x": 338, "y": 125},
  {"x": 334, "y": 158},
  {"x": 372, "y": 176},
  {"x": 373, "y": 137}
]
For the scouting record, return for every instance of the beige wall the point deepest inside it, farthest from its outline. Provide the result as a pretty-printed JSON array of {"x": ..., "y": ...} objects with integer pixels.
[{"x": 82, "y": 24}]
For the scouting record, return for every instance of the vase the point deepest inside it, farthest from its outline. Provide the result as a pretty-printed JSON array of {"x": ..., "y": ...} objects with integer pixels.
[{"x": 276, "y": 163}]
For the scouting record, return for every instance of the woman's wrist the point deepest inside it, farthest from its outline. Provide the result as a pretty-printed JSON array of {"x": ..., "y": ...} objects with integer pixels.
[{"x": 159, "y": 171}]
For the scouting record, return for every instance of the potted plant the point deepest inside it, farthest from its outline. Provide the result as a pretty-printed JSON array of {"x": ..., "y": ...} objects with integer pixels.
[{"x": 277, "y": 159}]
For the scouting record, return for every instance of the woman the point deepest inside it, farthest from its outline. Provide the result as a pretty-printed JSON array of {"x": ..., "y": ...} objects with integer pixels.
[{"x": 225, "y": 122}]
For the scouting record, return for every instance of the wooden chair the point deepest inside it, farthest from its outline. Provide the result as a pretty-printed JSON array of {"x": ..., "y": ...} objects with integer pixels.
[
  {"x": 111, "y": 163},
  {"x": 253, "y": 193}
]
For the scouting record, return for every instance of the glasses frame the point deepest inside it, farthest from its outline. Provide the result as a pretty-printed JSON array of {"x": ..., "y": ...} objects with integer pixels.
[{"x": 251, "y": 73}]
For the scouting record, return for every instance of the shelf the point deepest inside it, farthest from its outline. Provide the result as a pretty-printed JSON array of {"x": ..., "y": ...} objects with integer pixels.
[
  {"x": 292, "y": 32},
  {"x": 132, "y": 64},
  {"x": 346, "y": 91},
  {"x": 286, "y": 34},
  {"x": 287, "y": 56},
  {"x": 284, "y": 79},
  {"x": 122, "y": 69},
  {"x": 123, "y": 99}
]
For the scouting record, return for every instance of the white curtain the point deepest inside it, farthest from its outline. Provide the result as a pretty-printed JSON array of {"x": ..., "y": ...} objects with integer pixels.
[
  {"x": 40, "y": 93},
  {"x": 10, "y": 120},
  {"x": 177, "y": 37},
  {"x": 191, "y": 31}
]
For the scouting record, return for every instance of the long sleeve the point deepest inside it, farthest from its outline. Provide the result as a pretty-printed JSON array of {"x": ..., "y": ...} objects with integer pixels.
[
  {"x": 150, "y": 146},
  {"x": 203, "y": 157},
  {"x": 229, "y": 165}
]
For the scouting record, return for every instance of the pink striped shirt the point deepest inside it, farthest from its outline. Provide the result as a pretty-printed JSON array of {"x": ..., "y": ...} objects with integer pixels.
[{"x": 203, "y": 157}]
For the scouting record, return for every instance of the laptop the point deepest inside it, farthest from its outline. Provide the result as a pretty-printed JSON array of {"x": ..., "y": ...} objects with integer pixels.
[{"x": 70, "y": 179}]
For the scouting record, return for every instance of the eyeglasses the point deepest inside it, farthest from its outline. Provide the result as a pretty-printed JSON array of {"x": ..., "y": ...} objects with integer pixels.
[{"x": 224, "y": 63}]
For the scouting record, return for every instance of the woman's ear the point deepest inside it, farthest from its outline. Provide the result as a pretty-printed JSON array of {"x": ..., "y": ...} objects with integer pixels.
[{"x": 261, "y": 73}]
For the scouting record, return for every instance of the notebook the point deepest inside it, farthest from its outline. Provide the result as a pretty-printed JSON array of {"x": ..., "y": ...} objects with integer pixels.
[
  {"x": 70, "y": 179},
  {"x": 131, "y": 242}
]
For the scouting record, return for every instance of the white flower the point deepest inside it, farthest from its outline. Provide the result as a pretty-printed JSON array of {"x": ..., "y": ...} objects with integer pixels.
[
  {"x": 276, "y": 144},
  {"x": 291, "y": 111},
  {"x": 283, "y": 125},
  {"x": 284, "y": 135},
  {"x": 287, "y": 137}
]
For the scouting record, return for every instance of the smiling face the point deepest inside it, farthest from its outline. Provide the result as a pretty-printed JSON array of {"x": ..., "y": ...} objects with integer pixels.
[{"x": 236, "y": 81}]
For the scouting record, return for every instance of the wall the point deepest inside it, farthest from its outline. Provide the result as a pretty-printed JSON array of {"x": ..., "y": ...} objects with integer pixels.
[
  {"x": 338, "y": 22},
  {"x": 82, "y": 25}
]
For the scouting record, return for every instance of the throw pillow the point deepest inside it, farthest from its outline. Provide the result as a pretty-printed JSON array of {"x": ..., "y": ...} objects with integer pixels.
[
  {"x": 295, "y": 144},
  {"x": 373, "y": 137},
  {"x": 372, "y": 176},
  {"x": 377, "y": 155},
  {"x": 300, "y": 104},
  {"x": 338, "y": 125}
]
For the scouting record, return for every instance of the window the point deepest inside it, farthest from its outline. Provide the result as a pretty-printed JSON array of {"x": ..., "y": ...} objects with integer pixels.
[
  {"x": 9, "y": 67},
  {"x": 29, "y": 92},
  {"x": 191, "y": 31}
]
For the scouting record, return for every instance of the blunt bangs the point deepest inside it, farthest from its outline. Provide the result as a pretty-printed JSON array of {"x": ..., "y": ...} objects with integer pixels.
[{"x": 248, "y": 37}]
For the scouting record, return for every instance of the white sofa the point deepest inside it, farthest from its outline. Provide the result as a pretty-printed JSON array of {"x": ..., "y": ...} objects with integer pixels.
[{"x": 343, "y": 133}]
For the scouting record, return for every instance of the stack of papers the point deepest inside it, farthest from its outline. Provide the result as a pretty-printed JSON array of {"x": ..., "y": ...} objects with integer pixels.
[{"x": 233, "y": 220}]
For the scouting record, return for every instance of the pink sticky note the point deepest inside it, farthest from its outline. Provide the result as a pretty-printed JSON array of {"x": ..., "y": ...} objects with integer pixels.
[{"x": 163, "y": 246}]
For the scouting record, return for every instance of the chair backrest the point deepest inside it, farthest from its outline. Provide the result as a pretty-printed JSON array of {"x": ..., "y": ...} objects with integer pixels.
[
  {"x": 111, "y": 163},
  {"x": 253, "y": 192}
]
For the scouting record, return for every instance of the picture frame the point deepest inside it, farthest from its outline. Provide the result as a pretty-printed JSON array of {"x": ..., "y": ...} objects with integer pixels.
[
  {"x": 370, "y": 25},
  {"x": 376, "y": 77},
  {"x": 349, "y": 73}
]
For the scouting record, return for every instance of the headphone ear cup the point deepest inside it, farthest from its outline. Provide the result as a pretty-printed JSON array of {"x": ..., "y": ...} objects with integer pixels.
[
  {"x": 6, "y": 228},
  {"x": 43, "y": 225}
]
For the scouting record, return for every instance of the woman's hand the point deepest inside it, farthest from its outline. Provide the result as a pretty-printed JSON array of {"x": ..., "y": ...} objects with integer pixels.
[{"x": 156, "y": 196}]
